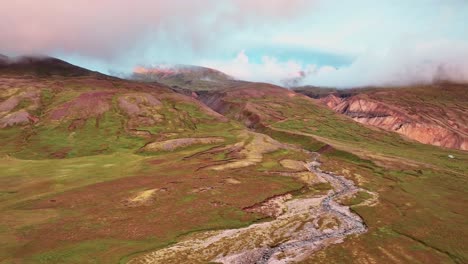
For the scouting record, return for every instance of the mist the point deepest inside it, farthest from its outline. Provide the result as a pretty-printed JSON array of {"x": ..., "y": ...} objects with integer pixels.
[{"x": 290, "y": 43}]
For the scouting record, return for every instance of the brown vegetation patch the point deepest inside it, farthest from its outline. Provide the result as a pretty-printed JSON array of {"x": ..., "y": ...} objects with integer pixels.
[
  {"x": 160, "y": 204},
  {"x": 202, "y": 189},
  {"x": 86, "y": 105},
  {"x": 76, "y": 124},
  {"x": 142, "y": 108},
  {"x": 201, "y": 106},
  {"x": 272, "y": 207},
  {"x": 295, "y": 165},
  {"x": 61, "y": 154},
  {"x": 137, "y": 103},
  {"x": 173, "y": 144},
  {"x": 156, "y": 161},
  {"x": 325, "y": 149}
]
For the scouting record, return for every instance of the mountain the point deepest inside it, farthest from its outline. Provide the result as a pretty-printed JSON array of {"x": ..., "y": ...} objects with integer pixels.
[
  {"x": 50, "y": 99},
  {"x": 99, "y": 169},
  {"x": 185, "y": 77},
  {"x": 42, "y": 66},
  {"x": 397, "y": 166},
  {"x": 431, "y": 114},
  {"x": 88, "y": 159}
]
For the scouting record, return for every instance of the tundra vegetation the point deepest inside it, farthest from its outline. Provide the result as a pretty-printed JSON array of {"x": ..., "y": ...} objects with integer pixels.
[{"x": 95, "y": 169}]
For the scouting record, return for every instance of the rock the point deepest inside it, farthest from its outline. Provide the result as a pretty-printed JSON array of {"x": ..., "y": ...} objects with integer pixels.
[{"x": 422, "y": 121}]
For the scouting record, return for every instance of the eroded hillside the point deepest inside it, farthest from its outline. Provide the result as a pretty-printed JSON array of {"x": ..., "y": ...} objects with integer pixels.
[
  {"x": 435, "y": 115},
  {"x": 99, "y": 169}
]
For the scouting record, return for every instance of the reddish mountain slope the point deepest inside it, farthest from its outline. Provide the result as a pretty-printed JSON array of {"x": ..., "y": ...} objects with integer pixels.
[
  {"x": 53, "y": 109},
  {"x": 436, "y": 114},
  {"x": 187, "y": 77}
]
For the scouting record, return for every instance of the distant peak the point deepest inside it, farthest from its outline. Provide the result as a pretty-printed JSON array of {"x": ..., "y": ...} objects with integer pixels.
[
  {"x": 40, "y": 66},
  {"x": 169, "y": 70},
  {"x": 189, "y": 77}
]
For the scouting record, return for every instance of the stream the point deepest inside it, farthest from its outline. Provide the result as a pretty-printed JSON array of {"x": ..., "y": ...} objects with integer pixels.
[
  {"x": 350, "y": 222},
  {"x": 307, "y": 224}
]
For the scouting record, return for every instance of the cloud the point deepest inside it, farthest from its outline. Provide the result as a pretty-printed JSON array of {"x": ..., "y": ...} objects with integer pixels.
[
  {"x": 109, "y": 29},
  {"x": 405, "y": 64},
  {"x": 288, "y": 42},
  {"x": 269, "y": 69}
]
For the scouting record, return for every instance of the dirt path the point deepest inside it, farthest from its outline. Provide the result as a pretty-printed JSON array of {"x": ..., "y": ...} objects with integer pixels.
[{"x": 307, "y": 224}]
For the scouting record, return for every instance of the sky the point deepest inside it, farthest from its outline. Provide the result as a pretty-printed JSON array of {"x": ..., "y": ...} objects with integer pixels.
[{"x": 338, "y": 43}]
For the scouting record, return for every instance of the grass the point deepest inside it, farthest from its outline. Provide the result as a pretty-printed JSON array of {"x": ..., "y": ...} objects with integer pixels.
[
  {"x": 357, "y": 199},
  {"x": 271, "y": 161},
  {"x": 63, "y": 192},
  {"x": 420, "y": 189},
  {"x": 305, "y": 142},
  {"x": 61, "y": 175},
  {"x": 411, "y": 218},
  {"x": 81, "y": 253},
  {"x": 100, "y": 135},
  {"x": 99, "y": 163},
  {"x": 324, "y": 123},
  {"x": 174, "y": 213}
]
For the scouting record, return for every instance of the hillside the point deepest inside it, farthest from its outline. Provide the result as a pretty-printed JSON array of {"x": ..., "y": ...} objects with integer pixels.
[
  {"x": 431, "y": 114},
  {"x": 40, "y": 66},
  {"x": 400, "y": 171},
  {"x": 185, "y": 77},
  {"x": 96, "y": 169}
]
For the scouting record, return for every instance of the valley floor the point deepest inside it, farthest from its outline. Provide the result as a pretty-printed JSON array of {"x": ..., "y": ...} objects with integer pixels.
[
  {"x": 95, "y": 169},
  {"x": 303, "y": 225}
]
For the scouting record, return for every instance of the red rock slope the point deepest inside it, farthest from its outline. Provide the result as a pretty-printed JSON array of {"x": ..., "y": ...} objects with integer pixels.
[{"x": 436, "y": 114}]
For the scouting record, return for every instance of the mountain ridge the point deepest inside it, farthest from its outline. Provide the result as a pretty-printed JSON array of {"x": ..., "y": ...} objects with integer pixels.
[
  {"x": 42, "y": 66},
  {"x": 417, "y": 112},
  {"x": 96, "y": 168}
]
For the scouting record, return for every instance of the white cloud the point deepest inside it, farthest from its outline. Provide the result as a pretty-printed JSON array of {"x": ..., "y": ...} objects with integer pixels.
[
  {"x": 241, "y": 58},
  {"x": 108, "y": 29},
  {"x": 405, "y": 64},
  {"x": 205, "y": 31},
  {"x": 268, "y": 70}
]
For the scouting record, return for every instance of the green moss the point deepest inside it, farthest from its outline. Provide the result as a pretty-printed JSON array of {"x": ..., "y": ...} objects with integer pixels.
[
  {"x": 323, "y": 186},
  {"x": 102, "y": 135},
  {"x": 306, "y": 142},
  {"x": 360, "y": 197},
  {"x": 46, "y": 96},
  {"x": 188, "y": 198},
  {"x": 85, "y": 252},
  {"x": 11, "y": 140}
]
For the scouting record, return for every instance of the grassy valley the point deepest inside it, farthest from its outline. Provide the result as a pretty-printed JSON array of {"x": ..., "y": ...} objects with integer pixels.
[{"x": 95, "y": 169}]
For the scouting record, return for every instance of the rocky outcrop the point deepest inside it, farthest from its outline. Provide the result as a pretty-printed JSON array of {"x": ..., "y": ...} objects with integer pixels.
[
  {"x": 426, "y": 123},
  {"x": 17, "y": 109}
]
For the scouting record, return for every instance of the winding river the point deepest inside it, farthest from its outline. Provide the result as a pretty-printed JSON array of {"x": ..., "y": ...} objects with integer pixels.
[{"x": 306, "y": 225}]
